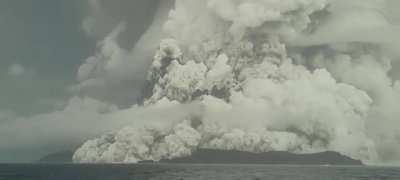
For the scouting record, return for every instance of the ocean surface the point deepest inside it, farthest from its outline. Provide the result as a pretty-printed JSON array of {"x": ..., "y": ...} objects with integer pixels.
[{"x": 194, "y": 172}]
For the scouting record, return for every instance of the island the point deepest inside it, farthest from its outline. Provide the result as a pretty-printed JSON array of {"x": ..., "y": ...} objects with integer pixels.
[{"x": 212, "y": 156}]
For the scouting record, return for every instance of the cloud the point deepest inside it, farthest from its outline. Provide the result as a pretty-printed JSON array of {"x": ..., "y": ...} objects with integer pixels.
[
  {"x": 357, "y": 21},
  {"x": 278, "y": 107},
  {"x": 298, "y": 76},
  {"x": 16, "y": 70},
  {"x": 117, "y": 70}
]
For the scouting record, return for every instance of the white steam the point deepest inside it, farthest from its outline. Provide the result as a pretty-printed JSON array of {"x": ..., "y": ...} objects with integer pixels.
[{"x": 257, "y": 75}]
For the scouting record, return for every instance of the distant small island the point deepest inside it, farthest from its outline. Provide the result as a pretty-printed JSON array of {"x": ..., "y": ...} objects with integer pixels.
[{"x": 211, "y": 156}]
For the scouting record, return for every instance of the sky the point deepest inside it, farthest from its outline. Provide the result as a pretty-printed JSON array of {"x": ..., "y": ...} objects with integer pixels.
[
  {"x": 46, "y": 40},
  {"x": 42, "y": 45}
]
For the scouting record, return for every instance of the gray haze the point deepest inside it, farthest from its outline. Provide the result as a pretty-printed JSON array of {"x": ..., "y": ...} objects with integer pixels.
[
  {"x": 42, "y": 45},
  {"x": 44, "y": 39}
]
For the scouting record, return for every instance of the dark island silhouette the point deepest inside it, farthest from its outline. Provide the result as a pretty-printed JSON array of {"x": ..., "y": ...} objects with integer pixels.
[{"x": 212, "y": 156}]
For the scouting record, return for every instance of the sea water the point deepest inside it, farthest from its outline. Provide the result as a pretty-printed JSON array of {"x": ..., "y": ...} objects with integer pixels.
[{"x": 194, "y": 172}]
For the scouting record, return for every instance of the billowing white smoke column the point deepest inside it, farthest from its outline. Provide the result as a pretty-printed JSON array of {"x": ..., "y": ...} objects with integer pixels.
[{"x": 263, "y": 75}]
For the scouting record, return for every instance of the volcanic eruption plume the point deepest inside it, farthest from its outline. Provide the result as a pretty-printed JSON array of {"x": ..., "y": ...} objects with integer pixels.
[{"x": 300, "y": 76}]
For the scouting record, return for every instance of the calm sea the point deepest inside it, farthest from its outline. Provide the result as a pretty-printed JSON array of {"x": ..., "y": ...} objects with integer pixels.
[{"x": 194, "y": 172}]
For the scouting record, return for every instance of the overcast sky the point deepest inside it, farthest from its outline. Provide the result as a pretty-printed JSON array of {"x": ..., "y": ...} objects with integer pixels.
[{"x": 42, "y": 45}]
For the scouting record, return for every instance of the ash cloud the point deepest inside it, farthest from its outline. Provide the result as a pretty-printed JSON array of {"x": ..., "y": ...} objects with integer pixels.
[{"x": 298, "y": 76}]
